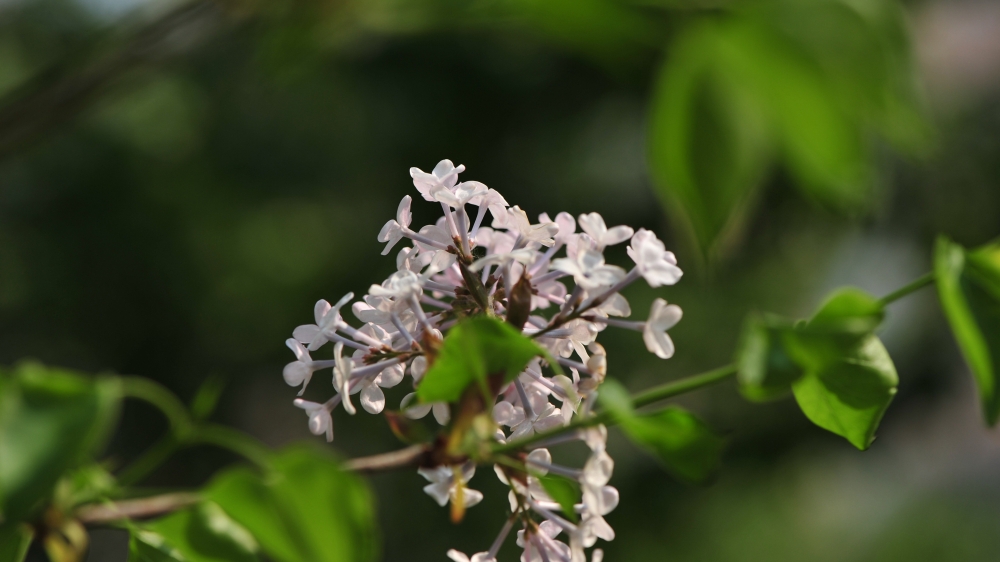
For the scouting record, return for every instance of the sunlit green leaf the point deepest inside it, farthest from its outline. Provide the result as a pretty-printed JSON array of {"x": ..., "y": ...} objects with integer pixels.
[
  {"x": 850, "y": 394},
  {"x": 307, "y": 509},
  {"x": 49, "y": 420},
  {"x": 563, "y": 491},
  {"x": 475, "y": 348},
  {"x": 147, "y": 546},
  {"x": 14, "y": 542},
  {"x": 205, "y": 533},
  {"x": 969, "y": 290}
]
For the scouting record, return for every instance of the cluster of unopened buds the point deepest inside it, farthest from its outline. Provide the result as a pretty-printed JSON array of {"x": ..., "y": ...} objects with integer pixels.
[{"x": 454, "y": 269}]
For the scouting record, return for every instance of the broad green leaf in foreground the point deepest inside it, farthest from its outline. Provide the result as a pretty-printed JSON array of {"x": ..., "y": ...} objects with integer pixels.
[
  {"x": 308, "y": 508},
  {"x": 49, "y": 420},
  {"x": 684, "y": 444},
  {"x": 205, "y": 533},
  {"x": 475, "y": 348},
  {"x": 969, "y": 289},
  {"x": 849, "y": 395}
]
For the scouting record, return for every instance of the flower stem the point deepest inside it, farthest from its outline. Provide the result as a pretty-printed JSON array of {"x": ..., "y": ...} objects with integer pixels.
[
  {"x": 645, "y": 398},
  {"x": 917, "y": 284}
]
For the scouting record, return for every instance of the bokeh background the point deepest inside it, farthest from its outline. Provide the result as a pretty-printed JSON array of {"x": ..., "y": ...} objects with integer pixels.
[{"x": 180, "y": 182}]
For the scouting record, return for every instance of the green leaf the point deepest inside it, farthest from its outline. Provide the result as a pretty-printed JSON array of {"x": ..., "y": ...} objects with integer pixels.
[
  {"x": 684, "y": 444},
  {"x": 147, "y": 546},
  {"x": 307, "y": 509},
  {"x": 50, "y": 419},
  {"x": 764, "y": 369},
  {"x": 205, "y": 533},
  {"x": 709, "y": 138},
  {"x": 563, "y": 491},
  {"x": 848, "y": 311},
  {"x": 969, "y": 290},
  {"x": 14, "y": 542},
  {"x": 849, "y": 395},
  {"x": 475, "y": 348}
]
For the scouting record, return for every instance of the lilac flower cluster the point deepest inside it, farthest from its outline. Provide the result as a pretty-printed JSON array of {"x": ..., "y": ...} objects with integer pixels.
[{"x": 457, "y": 267}]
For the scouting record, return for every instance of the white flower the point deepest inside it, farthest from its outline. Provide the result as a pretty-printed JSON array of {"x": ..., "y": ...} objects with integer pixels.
[
  {"x": 447, "y": 481},
  {"x": 517, "y": 221},
  {"x": 442, "y": 412},
  {"x": 593, "y": 224},
  {"x": 372, "y": 397},
  {"x": 327, "y": 318},
  {"x": 393, "y": 230},
  {"x": 655, "y": 263},
  {"x": 493, "y": 201},
  {"x": 589, "y": 271},
  {"x": 523, "y": 255},
  {"x": 461, "y": 194},
  {"x": 400, "y": 285},
  {"x": 444, "y": 176},
  {"x": 566, "y": 224},
  {"x": 662, "y": 317},
  {"x": 542, "y": 547},
  {"x": 301, "y": 370},
  {"x": 477, "y": 557},
  {"x": 320, "y": 421},
  {"x": 342, "y": 376}
]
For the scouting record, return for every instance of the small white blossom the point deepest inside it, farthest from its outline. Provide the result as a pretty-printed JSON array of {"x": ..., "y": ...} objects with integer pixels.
[
  {"x": 393, "y": 230},
  {"x": 662, "y": 317},
  {"x": 442, "y": 413},
  {"x": 327, "y": 318},
  {"x": 342, "y": 376},
  {"x": 655, "y": 263},
  {"x": 589, "y": 270},
  {"x": 444, "y": 176},
  {"x": 446, "y": 482},
  {"x": 477, "y": 557},
  {"x": 301, "y": 370},
  {"x": 320, "y": 421},
  {"x": 593, "y": 225}
]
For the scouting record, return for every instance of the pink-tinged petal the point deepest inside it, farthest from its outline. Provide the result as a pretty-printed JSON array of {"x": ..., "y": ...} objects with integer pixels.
[
  {"x": 505, "y": 413},
  {"x": 299, "y": 351},
  {"x": 296, "y": 373},
  {"x": 391, "y": 376},
  {"x": 306, "y": 333},
  {"x": 372, "y": 399},
  {"x": 472, "y": 497},
  {"x": 442, "y": 413},
  {"x": 320, "y": 310},
  {"x": 658, "y": 343},
  {"x": 439, "y": 491}
]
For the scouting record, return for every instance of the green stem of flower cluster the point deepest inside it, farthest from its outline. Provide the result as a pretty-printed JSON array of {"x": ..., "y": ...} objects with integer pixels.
[{"x": 651, "y": 396}]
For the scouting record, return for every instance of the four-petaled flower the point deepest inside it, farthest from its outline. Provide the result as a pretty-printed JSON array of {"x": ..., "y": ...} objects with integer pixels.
[
  {"x": 662, "y": 317},
  {"x": 593, "y": 225},
  {"x": 393, "y": 230},
  {"x": 447, "y": 482},
  {"x": 320, "y": 421},
  {"x": 655, "y": 263}
]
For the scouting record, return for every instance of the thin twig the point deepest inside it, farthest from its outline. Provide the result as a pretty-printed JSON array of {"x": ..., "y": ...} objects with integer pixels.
[
  {"x": 409, "y": 456},
  {"x": 137, "y": 508}
]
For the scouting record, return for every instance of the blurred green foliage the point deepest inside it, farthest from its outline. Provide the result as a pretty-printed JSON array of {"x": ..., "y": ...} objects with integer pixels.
[{"x": 177, "y": 221}]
